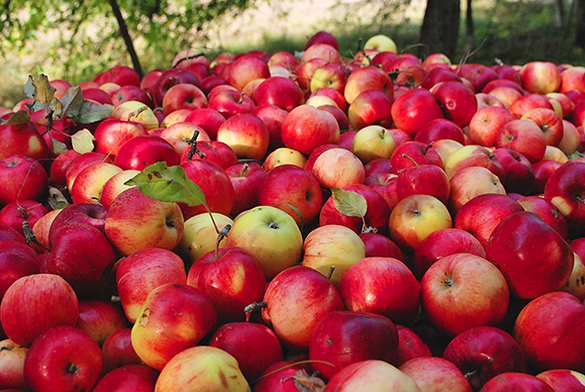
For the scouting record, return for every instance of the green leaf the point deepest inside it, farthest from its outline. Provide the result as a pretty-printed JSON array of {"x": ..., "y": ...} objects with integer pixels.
[
  {"x": 58, "y": 147},
  {"x": 92, "y": 112},
  {"x": 72, "y": 101},
  {"x": 20, "y": 117},
  {"x": 349, "y": 203},
  {"x": 160, "y": 182},
  {"x": 39, "y": 89}
]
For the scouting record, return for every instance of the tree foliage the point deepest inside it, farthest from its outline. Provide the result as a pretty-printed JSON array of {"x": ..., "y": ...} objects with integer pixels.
[{"x": 88, "y": 29}]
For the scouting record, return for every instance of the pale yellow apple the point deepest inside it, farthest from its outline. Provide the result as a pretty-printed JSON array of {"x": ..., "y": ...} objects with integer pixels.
[
  {"x": 373, "y": 142},
  {"x": 284, "y": 156},
  {"x": 199, "y": 235},
  {"x": 137, "y": 112},
  {"x": 332, "y": 249},
  {"x": 575, "y": 284},
  {"x": 446, "y": 147},
  {"x": 553, "y": 153},
  {"x": 381, "y": 43}
]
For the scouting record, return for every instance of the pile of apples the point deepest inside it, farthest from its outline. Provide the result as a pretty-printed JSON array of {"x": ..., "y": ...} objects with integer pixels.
[{"x": 296, "y": 222}]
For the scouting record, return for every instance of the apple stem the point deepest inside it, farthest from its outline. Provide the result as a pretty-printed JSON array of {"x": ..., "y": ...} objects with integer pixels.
[
  {"x": 241, "y": 97},
  {"x": 252, "y": 307},
  {"x": 331, "y": 270},
  {"x": 409, "y": 157},
  {"x": 223, "y": 233},
  {"x": 194, "y": 150},
  {"x": 29, "y": 236}
]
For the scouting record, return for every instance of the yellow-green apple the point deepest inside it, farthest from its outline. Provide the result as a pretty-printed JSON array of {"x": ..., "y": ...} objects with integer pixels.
[
  {"x": 305, "y": 70},
  {"x": 307, "y": 127},
  {"x": 63, "y": 358},
  {"x": 181, "y": 133},
  {"x": 442, "y": 243},
  {"x": 370, "y": 107},
  {"x": 553, "y": 153},
  {"x": 338, "y": 167},
  {"x": 563, "y": 380},
  {"x": 110, "y": 88},
  {"x": 564, "y": 189},
  {"x": 413, "y": 153},
  {"x": 381, "y": 246},
  {"x": 550, "y": 331},
  {"x": 440, "y": 128},
  {"x": 413, "y": 109},
  {"x": 345, "y": 337},
  {"x": 115, "y": 185},
  {"x": 22, "y": 139},
  {"x": 200, "y": 236},
  {"x": 118, "y": 351},
  {"x": 183, "y": 96},
  {"x": 381, "y": 285},
  {"x": 332, "y": 75},
  {"x": 28, "y": 297},
  {"x": 284, "y": 156},
  {"x": 571, "y": 138},
  {"x": 141, "y": 272},
  {"x": 82, "y": 255},
  {"x": 414, "y": 218},
  {"x": 99, "y": 318},
  {"x": 367, "y": 78},
  {"x": 292, "y": 189},
  {"x": 142, "y": 151},
  {"x": 279, "y": 91},
  {"x": 273, "y": 117},
  {"x": 23, "y": 178},
  {"x": 246, "y": 134},
  {"x": 542, "y": 171},
  {"x": 15, "y": 213},
  {"x": 271, "y": 235},
  {"x": 479, "y": 75},
  {"x": 206, "y": 118},
  {"x": 245, "y": 178},
  {"x": 462, "y": 291},
  {"x": 547, "y": 211},
  {"x": 372, "y": 375},
  {"x": 135, "y": 221},
  {"x": 482, "y": 353},
  {"x": 135, "y": 377},
  {"x": 137, "y": 112},
  {"x": 90, "y": 181},
  {"x": 296, "y": 301},
  {"x": 376, "y": 214},
  {"x": 456, "y": 100},
  {"x": 540, "y": 77},
  {"x": 519, "y": 171},
  {"x": 173, "y": 318},
  {"x": 480, "y": 215},
  {"x": 255, "y": 346},
  {"x": 474, "y": 155},
  {"x": 332, "y": 250},
  {"x": 110, "y": 134},
  {"x": 12, "y": 357},
  {"x": 533, "y": 257},
  {"x": 507, "y": 95},
  {"x": 435, "y": 374},
  {"x": 381, "y": 43},
  {"x": 470, "y": 182},
  {"x": 215, "y": 184},
  {"x": 202, "y": 368},
  {"x": 232, "y": 278},
  {"x": 573, "y": 285},
  {"x": 527, "y": 102},
  {"x": 446, "y": 147},
  {"x": 423, "y": 180}
]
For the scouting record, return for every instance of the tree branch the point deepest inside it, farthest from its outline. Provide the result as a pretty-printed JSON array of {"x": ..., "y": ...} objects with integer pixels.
[{"x": 126, "y": 36}]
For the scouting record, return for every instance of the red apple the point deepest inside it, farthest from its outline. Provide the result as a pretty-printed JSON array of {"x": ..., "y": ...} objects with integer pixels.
[
  {"x": 280, "y": 92},
  {"x": 563, "y": 380},
  {"x": 367, "y": 78},
  {"x": 515, "y": 381},
  {"x": 23, "y": 178},
  {"x": 100, "y": 318},
  {"x": 208, "y": 119},
  {"x": 564, "y": 189},
  {"x": 378, "y": 245},
  {"x": 413, "y": 153},
  {"x": 338, "y": 167},
  {"x": 12, "y": 358},
  {"x": 423, "y": 180},
  {"x": 128, "y": 378},
  {"x": 245, "y": 69},
  {"x": 142, "y": 151},
  {"x": 246, "y": 178},
  {"x": 519, "y": 171},
  {"x": 246, "y": 134},
  {"x": 14, "y": 214},
  {"x": 413, "y": 109},
  {"x": 470, "y": 182},
  {"x": 183, "y": 96},
  {"x": 486, "y": 124},
  {"x": 549, "y": 122},
  {"x": 549, "y": 213},
  {"x": 438, "y": 129},
  {"x": 540, "y": 77},
  {"x": 457, "y": 101},
  {"x": 307, "y": 127},
  {"x": 118, "y": 351},
  {"x": 435, "y": 374},
  {"x": 22, "y": 139},
  {"x": 370, "y": 107}
]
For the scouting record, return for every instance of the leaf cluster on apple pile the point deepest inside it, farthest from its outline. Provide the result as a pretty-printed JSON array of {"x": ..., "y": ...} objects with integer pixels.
[{"x": 296, "y": 222}]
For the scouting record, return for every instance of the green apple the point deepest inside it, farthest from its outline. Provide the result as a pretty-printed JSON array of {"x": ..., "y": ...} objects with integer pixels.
[
  {"x": 271, "y": 235},
  {"x": 372, "y": 142}
]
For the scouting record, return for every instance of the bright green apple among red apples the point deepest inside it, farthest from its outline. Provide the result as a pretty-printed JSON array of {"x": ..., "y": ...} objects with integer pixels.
[{"x": 266, "y": 221}]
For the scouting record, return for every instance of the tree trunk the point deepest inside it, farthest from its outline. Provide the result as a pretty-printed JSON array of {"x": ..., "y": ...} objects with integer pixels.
[
  {"x": 440, "y": 27},
  {"x": 126, "y": 36},
  {"x": 560, "y": 13},
  {"x": 469, "y": 27},
  {"x": 580, "y": 24}
]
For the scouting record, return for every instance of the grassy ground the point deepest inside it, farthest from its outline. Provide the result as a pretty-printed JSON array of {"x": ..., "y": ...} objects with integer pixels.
[{"x": 515, "y": 32}]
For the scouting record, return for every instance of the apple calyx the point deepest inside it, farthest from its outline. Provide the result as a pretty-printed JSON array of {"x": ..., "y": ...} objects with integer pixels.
[{"x": 72, "y": 369}]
